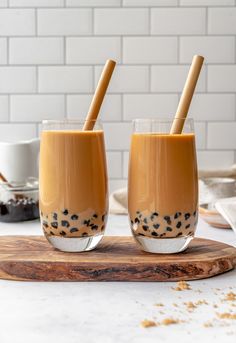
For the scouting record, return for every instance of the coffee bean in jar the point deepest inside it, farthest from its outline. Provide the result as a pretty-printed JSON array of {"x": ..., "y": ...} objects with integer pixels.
[{"x": 19, "y": 201}]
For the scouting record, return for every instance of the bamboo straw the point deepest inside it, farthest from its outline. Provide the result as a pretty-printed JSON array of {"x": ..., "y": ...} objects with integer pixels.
[
  {"x": 187, "y": 95},
  {"x": 99, "y": 95},
  {"x": 2, "y": 178}
]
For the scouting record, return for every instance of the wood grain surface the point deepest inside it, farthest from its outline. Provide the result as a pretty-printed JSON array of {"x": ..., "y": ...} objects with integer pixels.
[{"x": 32, "y": 258}]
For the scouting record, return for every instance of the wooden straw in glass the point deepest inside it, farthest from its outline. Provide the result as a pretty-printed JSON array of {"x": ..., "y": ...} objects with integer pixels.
[
  {"x": 187, "y": 95},
  {"x": 99, "y": 95}
]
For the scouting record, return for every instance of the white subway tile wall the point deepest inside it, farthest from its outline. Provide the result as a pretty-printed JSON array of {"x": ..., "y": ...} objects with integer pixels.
[{"x": 52, "y": 53}]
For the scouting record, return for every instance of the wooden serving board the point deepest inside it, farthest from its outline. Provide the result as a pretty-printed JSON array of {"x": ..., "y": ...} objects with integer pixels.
[{"x": 32, "y": 258}]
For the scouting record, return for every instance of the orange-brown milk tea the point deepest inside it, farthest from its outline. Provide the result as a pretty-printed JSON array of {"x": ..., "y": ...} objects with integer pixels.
[
  {"x": 162, "y": 187},
  {"x": 73, "y": 185}
]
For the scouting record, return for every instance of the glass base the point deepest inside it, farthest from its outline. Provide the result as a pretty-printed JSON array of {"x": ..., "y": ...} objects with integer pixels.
[
  {"x": 74, "y": 244},
  {"x": 163, "y": 245}
]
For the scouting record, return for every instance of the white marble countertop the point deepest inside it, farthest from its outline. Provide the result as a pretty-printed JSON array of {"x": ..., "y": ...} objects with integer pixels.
[{"x": 33, "y": 312}]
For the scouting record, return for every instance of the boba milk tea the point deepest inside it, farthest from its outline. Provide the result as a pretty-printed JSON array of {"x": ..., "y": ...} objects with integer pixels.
[
  {"x": 73, "y": 185},
  {"x": 163, "y": 178},
  {"x": 163, "y": 186}
]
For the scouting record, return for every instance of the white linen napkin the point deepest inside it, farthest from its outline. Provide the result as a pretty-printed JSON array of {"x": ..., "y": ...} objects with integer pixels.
[{"x": 227, "y": 208}]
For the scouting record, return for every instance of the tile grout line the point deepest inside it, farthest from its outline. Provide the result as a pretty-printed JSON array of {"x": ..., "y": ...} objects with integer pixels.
[{"x": 36, "y": 22}]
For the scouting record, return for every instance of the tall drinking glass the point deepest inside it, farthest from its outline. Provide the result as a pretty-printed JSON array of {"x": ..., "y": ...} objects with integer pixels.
[
  {"x": 73, "y": 185},
  {"x": 162, "y": 186}
]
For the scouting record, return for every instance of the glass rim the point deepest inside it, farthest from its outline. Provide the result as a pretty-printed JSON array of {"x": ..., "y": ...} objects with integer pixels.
[
  {"x": 69, "y": 121},
  {"x": 161, "y": 120}
]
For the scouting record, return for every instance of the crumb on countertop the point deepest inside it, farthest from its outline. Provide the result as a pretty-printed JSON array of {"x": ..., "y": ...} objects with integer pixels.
[
  {"x": 226, "y": 315},
  {"x": 201, "y": 302},
  {"x": 181, "y": 286},
  {"x": 190, "y": 305},
  {"x": 207, "y": 324},
  {"x": 159, "y": 304},
  {"x": 231, "y": 296},
  {"x": 169, "y": 321},
  {"x": 148, "y": 323}
]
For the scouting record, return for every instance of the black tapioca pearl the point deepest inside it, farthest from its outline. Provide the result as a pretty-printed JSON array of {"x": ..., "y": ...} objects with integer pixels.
[
  {"x": 136, "y": 220},
  {"x": 65, "y": 223},
  {"x": 62, "y": 233},
  {"x": 103, "y": 217},
  {"x": 74, "y": 217},
  {"x": 145, "y": 227},
  {"x": 45, "y": 224},
  {"x": 194, "y": 213},
  {"x": 65, "y": 212},
  {"x": 140, "y": 216},
  {"x": 180, "y": 234},
  {"x": 51, "y": 233},
  {"x": 73, "y": 229},
  {"x": 177, "y": 215},
  {"x": 87, "y": 222},
  {"x": 131, "y": 222},
  {"x": 178, "y": 225},
  {"x": 145, "y": 220},
  {"x": 168, "y": 228},
  {"x": 85, "y": 234},
  {"x": 153, "y": 215},
  {"x": 154, "y": 233},
  {"x": 141, "y": 234},
  {"x": 102, "y": 228},
  {"x": 187, "y": 226},
  {"x": 54, "y": 224},
  {"x": 54, "y": 216},
  {"x": 94, "y": 227},
  {"x": 156, "y": 226},
  {"x": 187, "y": 216},
  {"x": 137, "y": 212},
  {"x": 167, "y": 219}
]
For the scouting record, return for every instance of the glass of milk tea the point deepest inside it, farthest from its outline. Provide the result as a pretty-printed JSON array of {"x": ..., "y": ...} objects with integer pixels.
[
  {"x": 162, "y": 185},
  {"x": 73, "y": 185}
]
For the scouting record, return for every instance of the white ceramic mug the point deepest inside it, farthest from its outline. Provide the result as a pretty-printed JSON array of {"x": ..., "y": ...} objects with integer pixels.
[{"x": 19, "y": 160}]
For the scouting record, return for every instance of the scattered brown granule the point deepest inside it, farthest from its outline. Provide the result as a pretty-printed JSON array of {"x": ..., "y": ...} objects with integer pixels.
[
  {"x": 190, "y": 305},
  {"x": 231, "y": 296},
  {"x": 207, "y": 324},
  {"x": 169, "y": 321},
  {"x": 181, "y": 286},
  {"x": 226, "y": 315},
  {"x": 161, "y": 312},
  {"x": 201, "y": 302},
  {"x": 159, "y": 304},
  {"x": 175, "y": 305},
  {"x": 215, "y": 306},
  {"x": 148, "y": 323}
]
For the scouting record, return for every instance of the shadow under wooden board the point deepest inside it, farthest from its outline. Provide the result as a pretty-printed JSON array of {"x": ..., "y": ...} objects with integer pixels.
[{"x": 31, "y": 258}]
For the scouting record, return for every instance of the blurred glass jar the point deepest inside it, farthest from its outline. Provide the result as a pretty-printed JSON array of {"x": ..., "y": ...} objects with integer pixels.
[{"x": 19, "y": 201}]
